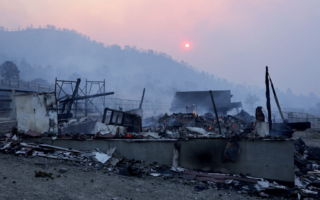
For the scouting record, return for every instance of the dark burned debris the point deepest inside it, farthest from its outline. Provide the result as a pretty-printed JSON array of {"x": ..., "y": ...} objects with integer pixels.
[
  {"x": 307, "y": 169},
  {"x": 43, "y": 174},
  {"x": 192, "y": 125},
  {"x": 307, "y": 161}
]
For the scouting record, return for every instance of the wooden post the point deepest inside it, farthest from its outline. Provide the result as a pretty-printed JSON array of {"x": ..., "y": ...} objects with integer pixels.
[
  {"x": 215, "y": 110},
  {"x": 140, "y": 106},
  {"x": 268, "y": 100},
  {"x": 55, "y": 93},
  {"x": 277, "y": 101}
]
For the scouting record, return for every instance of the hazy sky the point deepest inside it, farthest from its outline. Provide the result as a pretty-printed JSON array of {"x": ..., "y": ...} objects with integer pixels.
[{"x": 231, "y": 39}]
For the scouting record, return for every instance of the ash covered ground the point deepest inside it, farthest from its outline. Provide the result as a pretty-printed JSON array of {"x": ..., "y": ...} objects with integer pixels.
[{"x": 18, "y": 181}]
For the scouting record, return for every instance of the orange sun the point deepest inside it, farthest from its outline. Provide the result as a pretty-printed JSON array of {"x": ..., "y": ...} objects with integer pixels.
[{"x": 187, "y": 45}]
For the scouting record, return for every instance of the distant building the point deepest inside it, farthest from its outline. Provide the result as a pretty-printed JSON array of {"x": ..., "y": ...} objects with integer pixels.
[{"x": 203, "y": 103}]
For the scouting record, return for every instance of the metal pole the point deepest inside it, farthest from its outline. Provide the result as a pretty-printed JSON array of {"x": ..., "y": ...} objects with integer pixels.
[
  {"x": 76, "y": 106},
  {"x": 55, "y": 92},
  {"x": 86, "y": 102},
  {"x": 215, "y": 110},
  {"x": 104, "y": 91}
]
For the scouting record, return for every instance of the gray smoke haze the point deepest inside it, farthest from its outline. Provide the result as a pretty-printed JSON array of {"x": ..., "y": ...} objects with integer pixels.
[{"x": 65, "y": 54}]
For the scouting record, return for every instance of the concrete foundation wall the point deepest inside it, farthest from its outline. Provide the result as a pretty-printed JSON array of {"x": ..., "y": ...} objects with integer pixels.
[{"x": 260, "y": 158}]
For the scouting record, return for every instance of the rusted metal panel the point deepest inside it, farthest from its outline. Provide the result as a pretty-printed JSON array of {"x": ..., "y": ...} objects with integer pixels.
[{"x": 37, "y": 112}]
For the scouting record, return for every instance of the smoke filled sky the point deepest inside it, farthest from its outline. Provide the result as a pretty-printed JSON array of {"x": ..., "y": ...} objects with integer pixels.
[{"x": 230, "y": 39}]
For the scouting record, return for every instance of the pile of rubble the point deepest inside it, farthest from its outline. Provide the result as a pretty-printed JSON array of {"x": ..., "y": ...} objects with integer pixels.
[
  {"x": 175, "y": 126},
  {"x": 93, "y": 158},
  {"x": 191, "y": 125},
  {"x": 307, "y": 181},
  {"x": 307, "y": 168},
  {"x": 180, "y": 125}
]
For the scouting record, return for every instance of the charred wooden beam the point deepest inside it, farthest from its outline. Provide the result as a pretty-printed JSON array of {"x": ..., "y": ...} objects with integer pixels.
[
  {"x": 276, "y": 99},
  {"x": 268, "y": 100},
  {"x": 215, "y": 111},
  {"x": 140, "y": 106}
]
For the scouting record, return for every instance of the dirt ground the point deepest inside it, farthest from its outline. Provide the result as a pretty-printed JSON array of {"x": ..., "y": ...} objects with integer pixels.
[{"x": 18, "y": 181}]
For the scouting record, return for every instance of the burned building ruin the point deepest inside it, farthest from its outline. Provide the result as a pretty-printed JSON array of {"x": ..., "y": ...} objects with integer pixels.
[{"x": 200, "y": 102}]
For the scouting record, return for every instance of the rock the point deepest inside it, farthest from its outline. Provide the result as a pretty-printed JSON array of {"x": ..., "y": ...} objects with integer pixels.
[
  {"x": 199, "y": 188},
  {"x": 63, "y": 170}
]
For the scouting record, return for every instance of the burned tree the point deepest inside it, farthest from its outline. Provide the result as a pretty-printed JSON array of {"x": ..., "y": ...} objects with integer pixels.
[{"x": 9, "y": 70}]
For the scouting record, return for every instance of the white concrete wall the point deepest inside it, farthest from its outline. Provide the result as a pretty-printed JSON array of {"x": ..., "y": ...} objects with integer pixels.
[{"x": 34, "y": 112}]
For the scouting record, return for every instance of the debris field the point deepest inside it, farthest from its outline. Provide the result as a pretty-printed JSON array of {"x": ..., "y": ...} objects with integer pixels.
[{"x": 202, "y": 155}]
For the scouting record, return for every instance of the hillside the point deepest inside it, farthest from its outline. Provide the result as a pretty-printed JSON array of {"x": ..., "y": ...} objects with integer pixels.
[{"x": 49, "y": 53}]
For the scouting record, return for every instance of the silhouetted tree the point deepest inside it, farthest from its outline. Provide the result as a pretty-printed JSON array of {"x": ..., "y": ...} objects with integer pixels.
[{"x": 9, "y": 70}]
